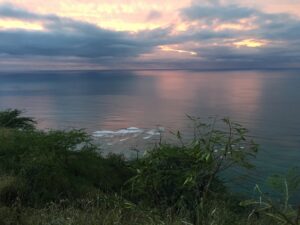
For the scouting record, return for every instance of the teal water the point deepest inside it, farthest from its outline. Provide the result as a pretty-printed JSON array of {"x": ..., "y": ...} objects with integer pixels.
[{"x": 266, "y": 102}]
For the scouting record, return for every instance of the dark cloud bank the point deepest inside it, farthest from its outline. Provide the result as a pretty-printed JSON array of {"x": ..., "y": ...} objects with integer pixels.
[{"x": 67, "y": 38}]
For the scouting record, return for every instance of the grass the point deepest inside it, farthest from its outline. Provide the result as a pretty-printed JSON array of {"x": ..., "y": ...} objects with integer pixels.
[{"x": 111, "y": 210}]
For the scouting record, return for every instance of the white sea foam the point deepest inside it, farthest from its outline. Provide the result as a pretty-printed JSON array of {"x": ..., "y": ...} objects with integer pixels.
[
  {"x": 123, "y": 141},
  {"x": 147, "y": 137},
  {"x": 128, "y": 133},
  {"x": 122, "y": 132}
]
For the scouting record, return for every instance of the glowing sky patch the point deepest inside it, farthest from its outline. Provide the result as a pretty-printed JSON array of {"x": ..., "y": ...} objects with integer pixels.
[
  {"x": 6, "y": 24},
  {"x": 250, "y": 43},
  {"x": 125, "y": 26},
  {"x": 122, "y": 15},
  {"x": 171, "y": 49},
  {"x": 240, "y": 25}
]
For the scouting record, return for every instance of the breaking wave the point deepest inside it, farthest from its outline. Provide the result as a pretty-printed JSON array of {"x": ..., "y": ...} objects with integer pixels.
[{"x": 127, "y": 139}]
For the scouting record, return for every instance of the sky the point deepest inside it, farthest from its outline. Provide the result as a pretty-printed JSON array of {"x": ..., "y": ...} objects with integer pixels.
[{"x": 149, "y": 34}]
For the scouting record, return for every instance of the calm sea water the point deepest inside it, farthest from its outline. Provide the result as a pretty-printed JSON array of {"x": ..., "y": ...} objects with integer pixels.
[{"x": 266, "y": 102}]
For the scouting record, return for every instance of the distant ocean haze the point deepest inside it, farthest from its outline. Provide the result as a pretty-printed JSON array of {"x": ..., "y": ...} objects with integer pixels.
[{"x": 265, "y": 102}]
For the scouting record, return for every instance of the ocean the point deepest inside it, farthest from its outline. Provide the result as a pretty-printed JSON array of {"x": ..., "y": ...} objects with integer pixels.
[{"x": 265, "y": 102}]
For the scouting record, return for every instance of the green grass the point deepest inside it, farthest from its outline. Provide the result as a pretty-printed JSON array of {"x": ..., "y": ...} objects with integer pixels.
[{"x": 111, "y": 210}]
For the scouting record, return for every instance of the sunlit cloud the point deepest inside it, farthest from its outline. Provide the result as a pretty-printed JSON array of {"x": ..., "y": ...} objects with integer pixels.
[
  {"x": 251, "y": 43},
  {"x": 242, "y": 25},
  {"x": 271, "y": 6},
  {"x": 172, "y": 49},
  {"x": 125, "y": 26},
  {"x": 190, "y": 33},
  {"x": 114, "y": 14},
  {"x": 6, "y": 24}
]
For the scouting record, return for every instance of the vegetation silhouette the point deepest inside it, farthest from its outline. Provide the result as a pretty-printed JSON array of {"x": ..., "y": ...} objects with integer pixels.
[{"x": 61, "y": 177}]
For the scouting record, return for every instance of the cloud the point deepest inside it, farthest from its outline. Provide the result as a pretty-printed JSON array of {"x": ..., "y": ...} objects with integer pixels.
[
  {"x": 215, "y": 31},
  {"x": 65, "y": 37},
  {"x": 219, "y": 12},
  {"x": 264, "y": 25},
  {"x": 276, "y": 36},
  {"x": 153, "y": 15},
  {"x": 8, "y": 10}
]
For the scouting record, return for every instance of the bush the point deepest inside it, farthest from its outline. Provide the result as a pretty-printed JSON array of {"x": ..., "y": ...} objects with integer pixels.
[
  {"x": 57, "y": 165},
  {"x": 164, "y": 177},
  {"x": 60, "y": 177},
  {"x": 187, "y": 175},
  {"x": 278, "y": 210},
  {"x": 12, "y": 118}
]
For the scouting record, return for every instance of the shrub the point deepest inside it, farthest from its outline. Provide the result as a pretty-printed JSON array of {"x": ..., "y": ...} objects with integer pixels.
[
  {"x": 186, "y": 175},
  {"x": 12, "y": 118},
  {"x": 60, "y": 177},
  {"x": 279, "y": 211},
  {"x": 57, "y": 165}
]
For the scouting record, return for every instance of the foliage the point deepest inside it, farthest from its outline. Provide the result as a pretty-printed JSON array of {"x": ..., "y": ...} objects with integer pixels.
[
  {"x": 47, "y": 166},
  {"x": 102, "y": 209},
  {"x": 60, "y": 177},
  {"x": 11, "y": 118},
  {"x": 187, "y": 175},
  {"x": 280, "y": 211}
]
